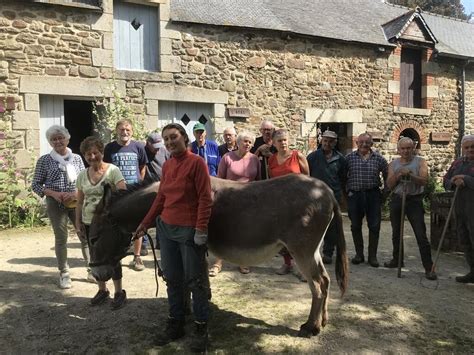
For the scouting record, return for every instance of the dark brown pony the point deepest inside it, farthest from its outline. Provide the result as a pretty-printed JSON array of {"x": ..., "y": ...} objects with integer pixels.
[{"x": 250, "y": 223}]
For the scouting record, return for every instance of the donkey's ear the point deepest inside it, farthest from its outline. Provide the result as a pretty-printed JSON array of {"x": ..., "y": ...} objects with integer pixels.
[{"x": 107, "y": 197}]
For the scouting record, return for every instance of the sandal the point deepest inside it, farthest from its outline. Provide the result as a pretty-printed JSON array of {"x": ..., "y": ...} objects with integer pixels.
[
  {"x": 214, "y": 270},
  {"x": 244, "y": 269}
]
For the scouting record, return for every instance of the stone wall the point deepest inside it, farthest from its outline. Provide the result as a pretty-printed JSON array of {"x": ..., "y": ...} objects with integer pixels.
[
  {"x": 294, "y": 81},
  {"x": 281, "y": 77}
]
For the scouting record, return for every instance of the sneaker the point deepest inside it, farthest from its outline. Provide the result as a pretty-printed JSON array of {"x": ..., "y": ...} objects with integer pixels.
[
  {"x": 90, "y": 277},
  {"x": 174, "y": 330},
  {"x": 120, "y": 298},
  {"x": 284, "y": 269},
  {"x": 327, "y": 259},
  {"x": 244, "y": 270},
  {"x": 65, "y": 280},
  {"x": 100, "y": 297},
  {"x": 144, "y": 251},
  {"x": 137, "y": 264},
  {"x": 358, "y": 259},
  {"x": 392, "y": 264},
  {"x": 199, "y": 338},
  {"x": 466, "y": 279}
]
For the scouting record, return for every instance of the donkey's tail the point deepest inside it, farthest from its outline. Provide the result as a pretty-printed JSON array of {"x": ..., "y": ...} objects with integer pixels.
[{"x": 342, "y": 267}]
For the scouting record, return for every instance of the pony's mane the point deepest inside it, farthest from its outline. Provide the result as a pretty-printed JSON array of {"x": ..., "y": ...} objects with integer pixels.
[{"x": 120, "y": 194}]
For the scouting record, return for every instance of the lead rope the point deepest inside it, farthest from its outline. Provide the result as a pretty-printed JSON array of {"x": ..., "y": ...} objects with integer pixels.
[{"x": 158, "y": 270}]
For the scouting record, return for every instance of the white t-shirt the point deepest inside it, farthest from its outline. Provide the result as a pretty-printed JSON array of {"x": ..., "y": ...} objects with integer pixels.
[{"x": 93, "y": 192}]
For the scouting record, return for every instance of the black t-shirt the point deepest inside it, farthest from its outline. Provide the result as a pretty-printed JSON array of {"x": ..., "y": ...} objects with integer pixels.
[
  {"x": 264, "y": 162},
  {"x": 224, "y": 150}
]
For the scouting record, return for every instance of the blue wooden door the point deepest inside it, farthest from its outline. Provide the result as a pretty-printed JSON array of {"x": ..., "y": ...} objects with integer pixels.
[
  {"x": 136, "y": 37},
  {"x": 187, "y": 114}
]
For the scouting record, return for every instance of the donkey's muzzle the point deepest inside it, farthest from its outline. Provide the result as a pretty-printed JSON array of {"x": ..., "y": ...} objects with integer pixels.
[{"x": 102, "y": 272}]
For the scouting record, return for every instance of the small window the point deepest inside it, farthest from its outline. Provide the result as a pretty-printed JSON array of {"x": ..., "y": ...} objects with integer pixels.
[
  {"x": 410, "y": 78},
  {"x": 136, "y": 38}
]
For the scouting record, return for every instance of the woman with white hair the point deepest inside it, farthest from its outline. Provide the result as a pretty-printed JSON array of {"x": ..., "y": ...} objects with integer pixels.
[
  {"x": 55, "y": 178},
  {"x": 238, "y": 165},
  {"x": 461, "y": 175}
]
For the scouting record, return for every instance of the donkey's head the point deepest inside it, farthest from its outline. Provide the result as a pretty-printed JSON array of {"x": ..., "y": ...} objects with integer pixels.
[{"x": 108, "y": 241}]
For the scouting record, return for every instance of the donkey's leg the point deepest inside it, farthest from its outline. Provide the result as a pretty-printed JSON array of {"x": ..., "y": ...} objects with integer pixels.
[
  {"x": 325, "y": 283},
  {"x": 309, "y": 268}
]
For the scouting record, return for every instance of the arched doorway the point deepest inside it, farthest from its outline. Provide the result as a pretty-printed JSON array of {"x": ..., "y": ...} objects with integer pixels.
[{"x": 413, "y": 134}]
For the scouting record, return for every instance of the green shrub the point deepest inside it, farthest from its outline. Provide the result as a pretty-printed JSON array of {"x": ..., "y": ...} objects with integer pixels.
[{"x": 19, "y": 206}]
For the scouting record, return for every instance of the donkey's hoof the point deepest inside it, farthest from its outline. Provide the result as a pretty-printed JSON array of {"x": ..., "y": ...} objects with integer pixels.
[
  {"x": 307, "y": 331},
  {"x": 324, "y": 321}
]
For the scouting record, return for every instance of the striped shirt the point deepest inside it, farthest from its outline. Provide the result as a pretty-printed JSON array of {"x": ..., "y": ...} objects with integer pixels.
[
  {"x": 48, "y": 175},
  {"x": 365, "y": 174}
]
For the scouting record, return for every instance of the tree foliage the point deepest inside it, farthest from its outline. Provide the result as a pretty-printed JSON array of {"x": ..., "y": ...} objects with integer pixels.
[{"x": 452, "y": 8}]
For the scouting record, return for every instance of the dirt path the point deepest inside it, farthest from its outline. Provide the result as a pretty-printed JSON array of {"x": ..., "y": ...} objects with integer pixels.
[{"x": 259, "y": 312}]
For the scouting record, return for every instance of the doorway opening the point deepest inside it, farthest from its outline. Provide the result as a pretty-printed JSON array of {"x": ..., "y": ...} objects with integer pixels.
[
  {"x": 344, "y": 143},
  {"x": 78, "y": 119}
]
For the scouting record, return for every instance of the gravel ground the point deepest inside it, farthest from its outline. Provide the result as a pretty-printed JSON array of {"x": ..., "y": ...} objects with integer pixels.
[{"x": 259, "y": 312}]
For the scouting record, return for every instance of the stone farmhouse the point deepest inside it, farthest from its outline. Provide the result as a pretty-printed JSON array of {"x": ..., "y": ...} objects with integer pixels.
[{"x": 309, "y": 65}]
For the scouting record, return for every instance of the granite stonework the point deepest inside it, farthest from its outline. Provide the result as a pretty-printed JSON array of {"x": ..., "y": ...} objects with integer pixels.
[{"x": 297, "y": 82}]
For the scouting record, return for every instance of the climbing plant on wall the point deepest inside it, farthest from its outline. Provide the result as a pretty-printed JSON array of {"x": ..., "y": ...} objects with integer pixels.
[{"x": 108, "y": 110}]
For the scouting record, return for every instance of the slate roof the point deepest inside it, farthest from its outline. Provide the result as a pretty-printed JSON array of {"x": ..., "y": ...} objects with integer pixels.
[
  {"x": 347, "y": 20},
  {"x": 395, "y": 28}
]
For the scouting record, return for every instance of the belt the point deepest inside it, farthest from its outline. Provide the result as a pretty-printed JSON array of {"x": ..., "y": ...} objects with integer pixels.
[
  {"x": 409, "y": 196},
  {"x": 372, "y": 189}
]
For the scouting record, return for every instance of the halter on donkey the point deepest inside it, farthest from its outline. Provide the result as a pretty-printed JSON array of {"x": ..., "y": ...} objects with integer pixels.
[{"x": 294, "y": 211}]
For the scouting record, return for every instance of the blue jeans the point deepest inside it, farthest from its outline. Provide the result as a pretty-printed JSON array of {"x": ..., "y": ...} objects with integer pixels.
[
  {"x": 360, "y": 204},
  {"x": 182, "y": 262}
]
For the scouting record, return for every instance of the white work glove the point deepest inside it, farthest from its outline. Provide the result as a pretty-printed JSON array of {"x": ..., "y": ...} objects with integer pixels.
[{"x": 200, "y": 238}]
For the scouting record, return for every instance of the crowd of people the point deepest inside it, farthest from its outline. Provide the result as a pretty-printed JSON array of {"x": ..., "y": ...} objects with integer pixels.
[{"x": 182, "y": 207}]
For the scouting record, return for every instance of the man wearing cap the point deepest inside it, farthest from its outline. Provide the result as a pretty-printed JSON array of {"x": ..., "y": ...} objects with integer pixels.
[
  {"x": 208, "y": 150},
  {"x": 329, "y": 165},
  {"x": 156, "y": 154},
  {"x": 230, "y": 141}
]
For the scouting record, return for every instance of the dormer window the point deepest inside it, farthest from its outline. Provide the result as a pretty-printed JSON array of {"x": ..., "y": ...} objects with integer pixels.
[
  {"x": 412, "y": 86},
  {"x": 410, "y": 78}
]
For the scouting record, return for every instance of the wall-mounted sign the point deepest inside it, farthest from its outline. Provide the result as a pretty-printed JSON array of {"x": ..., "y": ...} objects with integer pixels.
[
  {"x": 376, "y": 135},
  {"x": 441, "y": 137},
  {"x": 238, "y": 112}
]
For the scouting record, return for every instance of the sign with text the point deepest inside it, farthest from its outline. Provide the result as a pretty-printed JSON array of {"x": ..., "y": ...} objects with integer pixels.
[
  {"x": 441, "y": 137},
  {"x": 376, "y": 135},
  {"x": 238, "y": 112}
]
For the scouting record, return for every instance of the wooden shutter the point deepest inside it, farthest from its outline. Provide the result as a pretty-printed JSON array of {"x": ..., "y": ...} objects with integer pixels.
[
  {"x": 174, "y": 112},
  {"x": 51, "y": 113},
  {"x": 410, "y": 78},
  {"x": 136, "y": 39}
]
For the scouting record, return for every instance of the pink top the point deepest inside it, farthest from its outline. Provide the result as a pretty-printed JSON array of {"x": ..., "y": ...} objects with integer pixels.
[
  {"x": 290, "y": 165},
  {"x": 233, "y": 167}
]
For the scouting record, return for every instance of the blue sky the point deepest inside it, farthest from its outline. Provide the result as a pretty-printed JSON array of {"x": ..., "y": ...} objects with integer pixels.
[{"x": 468, "y": 6}]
